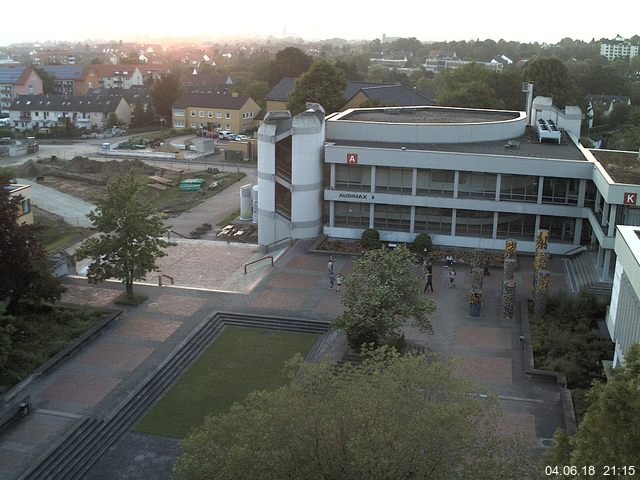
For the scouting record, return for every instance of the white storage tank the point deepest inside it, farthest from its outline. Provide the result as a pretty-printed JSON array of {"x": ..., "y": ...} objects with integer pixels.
[{"x": 245, "y": 202}]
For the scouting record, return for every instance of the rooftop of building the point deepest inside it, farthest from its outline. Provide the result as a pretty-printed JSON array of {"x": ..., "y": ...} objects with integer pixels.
[
  {"x": 526, "y": 145},
  {"x": 426, "y": 114},
  {"x": 622, "y": 167}
]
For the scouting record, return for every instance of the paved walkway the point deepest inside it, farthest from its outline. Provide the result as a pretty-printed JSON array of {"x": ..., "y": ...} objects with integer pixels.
[{"x": 100, "y": 375}]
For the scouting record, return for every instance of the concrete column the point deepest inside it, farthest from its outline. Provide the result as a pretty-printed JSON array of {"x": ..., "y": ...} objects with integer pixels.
[
  {"x": 606, "y": 265},
  {"x": 605, "y": 214},
  {"x": 537, "y": 226},
  {"x": 373, "y": 180},
  {"x": 600, "y": 260},
  {"x": 456, "y": 183},
  {"x": 613, "y": 210},
  {"x": 494, "y": 233},
  {"x": 578, "y": 231},
  {"x": 332, "y": 181},
  {"x": 582, "y": 192},
  {"x": 540, "y": 188},
  {"x": 372, "y": 213},
  {"x": 498, "y": 182},
  {"x": 414, "y": 183},
  {"x": 412, "y": 220},
  {"x": 454, "y": 213},
  {"x": 331, "y": 213},
  {"x": 596, "y": 205}
]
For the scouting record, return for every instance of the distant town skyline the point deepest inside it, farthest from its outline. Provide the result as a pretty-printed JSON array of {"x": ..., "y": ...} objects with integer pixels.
[{"x": 426, "y": 21}]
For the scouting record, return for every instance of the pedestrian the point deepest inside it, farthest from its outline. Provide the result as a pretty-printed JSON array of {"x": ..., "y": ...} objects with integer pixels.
[
  {"x": 429, "y": 266},
  {"x": 486, "y": 266},
  {"x": 338, "y": 282},
  {"x": 429, "y": 285},
  {"x": 331, "y": 272},
  {"x": 450, "y": 261},
  {"x": 452, "y": 277}
]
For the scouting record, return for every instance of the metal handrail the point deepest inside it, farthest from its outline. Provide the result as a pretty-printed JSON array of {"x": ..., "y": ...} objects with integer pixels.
[
  {"x": 579, "y": 248},
  {"x": 163, "y": 275},
  {"x": 256, "y": 261},
  {"x": 169, "y": 232},
  {"x": 266, "y": 248}
]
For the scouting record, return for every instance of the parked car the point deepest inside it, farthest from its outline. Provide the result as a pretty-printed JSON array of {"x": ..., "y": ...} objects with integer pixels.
[{"x": 225, "y": 134}]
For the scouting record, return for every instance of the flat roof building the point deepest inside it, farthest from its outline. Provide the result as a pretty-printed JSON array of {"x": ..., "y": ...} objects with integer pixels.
[{"x": 467, "y": 177}]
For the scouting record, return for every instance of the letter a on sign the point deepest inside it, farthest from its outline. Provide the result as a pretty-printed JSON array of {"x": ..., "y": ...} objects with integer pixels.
[
  {"x": 630, "y": 198},
  {"x": 352, "y": 158}
]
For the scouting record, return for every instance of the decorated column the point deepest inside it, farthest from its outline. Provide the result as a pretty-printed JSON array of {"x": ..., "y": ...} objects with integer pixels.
[
  {"x": 541, "y": 292},
  {"x": 475, "y": 302},
  {"x": 508, "y": 298},
  {"x": 477, "y": 276}
]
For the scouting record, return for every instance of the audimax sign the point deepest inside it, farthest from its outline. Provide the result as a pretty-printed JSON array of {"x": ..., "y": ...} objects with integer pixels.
[{"x": 357, "y": 196}]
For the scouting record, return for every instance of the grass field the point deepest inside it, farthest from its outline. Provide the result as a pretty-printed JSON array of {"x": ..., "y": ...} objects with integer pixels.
[
  {"x": 240, "y": 361},
  {"x": 57, "y": 234}
]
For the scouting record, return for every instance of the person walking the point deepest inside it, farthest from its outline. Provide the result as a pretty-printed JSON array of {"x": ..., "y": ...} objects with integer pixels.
[
  {"x": 429, "y": 266},
  {"x": 450, "y": 261},
  {"x": 331, "y": 273},
  {"x": 452, "y": 278},
  {"x": 429, "y": 285},
  {"x": 487, "y": 264}
]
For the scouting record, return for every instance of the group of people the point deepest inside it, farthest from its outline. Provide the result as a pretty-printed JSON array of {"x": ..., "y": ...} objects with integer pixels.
[{"x": 427, "y": 270}]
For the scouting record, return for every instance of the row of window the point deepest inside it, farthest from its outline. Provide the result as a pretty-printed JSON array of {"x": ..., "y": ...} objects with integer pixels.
[
  {"x": 469, "y": 223},
  {"x": 441, "y": 183},
  {"x": 201, "y": 114}
]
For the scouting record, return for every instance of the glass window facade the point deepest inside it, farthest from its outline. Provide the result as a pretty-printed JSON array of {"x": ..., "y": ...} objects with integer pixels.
[
  {"x": 433, "y": 220},
  {"x": 394, "y": 180},
  {"x": 436, "y": 183},
  {"x": 477, "y": 185},
  {"x": 353, "y": 177},
  {"x": 560, "y": 190},
  {"x": 474, "y": 223},
  {"x": 560, "y": 228},
  {"x": 516, "y": 225},
  {"x": 519, "y": 188},
  {"x": 350, "y": 214},
  {"x": 283, "y": 201},
  {"x": 392, "y": 217}
]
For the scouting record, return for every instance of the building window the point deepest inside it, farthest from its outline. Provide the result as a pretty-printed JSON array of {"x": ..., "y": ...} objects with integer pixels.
[
  {"x": 519, "y": 188},
  {"x": 179, "y": 124},
  {"x": 560, "y": 190},
  {"x": 25, "y": 206},
  {"x": 356, "y": 177},
  {"x": 477, "y": 185},
  {"x": 193, "y": 113},
  {"x": 474, "y": 223},
  {"x": 227, "y": 127},
  {"x": 210, "y": 114},
  {"x": 227, "y": 115},
  {"x": 201, "y": 114},
  {"x": 351, "y": 214},
  {"x": 391, "y": 179},
  {"x": 516, "y": 225},
  {"x": 283, "y": 158},
  {"x": 193, "y": 124},
  {"x": 283, "y": 201},
  {"x": 560, "y": 228},
  {"x": 433, "y": 220},
  {"x": 250, "y": 114},
  {"x": 590, "y": 194},
  {"x": 392, "y": 217},
  {"x": 218, "y": 114},
  {"x": 178, "y": 113},
  {"x": 244, "y": 115},
  {"x": 437, "y": 183}
]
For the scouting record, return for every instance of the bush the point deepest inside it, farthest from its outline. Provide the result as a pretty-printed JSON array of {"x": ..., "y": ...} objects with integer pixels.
[
  {"x": 421, "y": 243},
  {"x": 370, "y": 239}
]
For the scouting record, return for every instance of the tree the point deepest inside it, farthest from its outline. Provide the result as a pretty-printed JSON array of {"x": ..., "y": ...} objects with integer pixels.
[
  {"x": 289, "y": 62},
  {"x": 609, "y": 433},
  {"x": 138, "y": 114},
  {"x": 551, "y": 78},
  {"x": 164, "y": 92},
  {"x": 25, "y": 275},
  {"x": 48, "y": 80},
  {"x": 113, "y": 120},
  {"x": 129, "y": 237},
  {"x": 392, "y": 417},
  {"x": 380, "y": 295},
  {"x": 323, "y": 84},
  {"x": 471, "y": 85}
]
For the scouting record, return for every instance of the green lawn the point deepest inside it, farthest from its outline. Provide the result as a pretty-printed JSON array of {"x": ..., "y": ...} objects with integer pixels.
[
  {"x": 240, "y": 361},
  {"x": 57, "y": 234}
]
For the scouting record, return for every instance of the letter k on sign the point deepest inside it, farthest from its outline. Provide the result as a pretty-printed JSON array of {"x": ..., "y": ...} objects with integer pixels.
[{"x": 630, "y": 198}]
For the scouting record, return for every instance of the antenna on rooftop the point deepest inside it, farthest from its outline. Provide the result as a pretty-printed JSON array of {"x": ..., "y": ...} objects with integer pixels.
[{"x": 527, "y": 87}]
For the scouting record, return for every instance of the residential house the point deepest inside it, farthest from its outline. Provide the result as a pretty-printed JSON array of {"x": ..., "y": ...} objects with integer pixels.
[
  {"x": 72, "y": 79},
  {"x": 18, "y": 80},
  {"x": 24, "y": 191},
  {"x": 118, "y": 76},
  {"x": 206, "y": 83},
  {"x": 608, "y": 102},
  {"x": 235, "y": 113},
  {"x": 82, "y": 111},
  {"x": 386, "y": 96},
  {"x": 152, "y": 71}
]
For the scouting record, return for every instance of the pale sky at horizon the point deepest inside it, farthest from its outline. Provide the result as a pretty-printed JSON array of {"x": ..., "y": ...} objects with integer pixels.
[{"x": 75, "y": 20}]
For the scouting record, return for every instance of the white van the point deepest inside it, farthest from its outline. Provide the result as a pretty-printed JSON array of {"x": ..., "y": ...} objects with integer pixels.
[{"x": 224, "y": 134}]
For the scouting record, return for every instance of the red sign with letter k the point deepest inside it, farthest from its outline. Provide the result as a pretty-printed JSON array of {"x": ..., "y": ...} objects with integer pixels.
[{"x": 630, "y": 198}]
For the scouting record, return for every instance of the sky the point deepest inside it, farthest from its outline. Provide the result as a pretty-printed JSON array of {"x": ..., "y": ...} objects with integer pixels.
[{"x": 548, "y": 21}]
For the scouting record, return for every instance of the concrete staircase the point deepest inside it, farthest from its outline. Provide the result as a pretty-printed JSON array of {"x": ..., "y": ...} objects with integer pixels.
[
  {"x": 584, "y": 276},
  {"x": 82, "y": 446}
]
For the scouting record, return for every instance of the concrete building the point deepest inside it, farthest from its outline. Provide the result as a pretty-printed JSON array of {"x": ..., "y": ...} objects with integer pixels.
[
  {"x": 235, "y": 113},
  {"x": 17, "y": 80},
  {"x": 618, "y": 48},
  {"x": 623, "y": 316},
  {"x": 467, "y": 177},
  {"x": 71, "y": 79},
  {"x": 24, "y": 192}
]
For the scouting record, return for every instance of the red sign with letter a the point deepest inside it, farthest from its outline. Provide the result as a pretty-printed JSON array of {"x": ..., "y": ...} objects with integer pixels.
[
  {"x": 630, "y": 198},
  {"x": 352, "y": 158}
]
